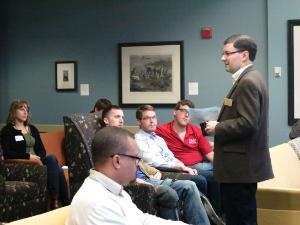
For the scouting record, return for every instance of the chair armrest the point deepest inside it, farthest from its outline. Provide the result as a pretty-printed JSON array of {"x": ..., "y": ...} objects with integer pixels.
[
  {"x": 285, "y": 198},
  {"x": 25, "y": 161},
  {"x": 168, "y": 169},
  {"x": 175, "y": 175},
  {"x": 143, "y": 196},
  {"x": 26, "y": 172}
]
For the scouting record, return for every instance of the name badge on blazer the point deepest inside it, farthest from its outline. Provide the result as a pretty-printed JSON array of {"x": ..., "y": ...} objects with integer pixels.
[
  {"x": 19, "y": 138},
  {"x": 228, "y": 102}
]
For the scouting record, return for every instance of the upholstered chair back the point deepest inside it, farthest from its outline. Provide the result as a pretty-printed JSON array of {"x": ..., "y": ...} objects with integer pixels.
[
  {"x": 80, "y": 130},
  {"x": 1, "y": 174}
]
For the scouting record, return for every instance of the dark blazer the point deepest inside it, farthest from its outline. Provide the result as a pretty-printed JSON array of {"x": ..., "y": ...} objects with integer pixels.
[
  {"x": 15, "y": 148},
  {"x": 241, "y": 139}
]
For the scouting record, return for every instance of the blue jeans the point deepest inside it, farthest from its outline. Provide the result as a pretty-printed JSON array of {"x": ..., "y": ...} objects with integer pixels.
[
  {"x": 188, "y": 193},
  {"x": 57, "y": 184},
  {"x": 167, "y": 201},
  {"x": 205, "y": 165}
]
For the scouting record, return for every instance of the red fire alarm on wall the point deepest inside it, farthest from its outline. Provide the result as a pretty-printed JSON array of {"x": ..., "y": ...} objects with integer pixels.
[{"x": 206, "y": 33}]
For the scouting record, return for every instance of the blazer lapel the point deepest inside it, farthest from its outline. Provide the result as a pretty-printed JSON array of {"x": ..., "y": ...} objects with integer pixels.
[{"x": 233, "y": 88}]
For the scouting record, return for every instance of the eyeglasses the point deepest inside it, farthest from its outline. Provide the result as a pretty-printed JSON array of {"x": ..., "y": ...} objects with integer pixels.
[
  {"x": 149, "y": 118},
  {"x": 183, "y": 110},
  {"x": 138, "y": 159},
  {"x": 231, "y": 53}
]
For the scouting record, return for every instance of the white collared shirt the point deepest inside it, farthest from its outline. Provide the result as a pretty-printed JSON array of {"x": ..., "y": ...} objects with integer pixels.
[
  {"x": 100, "y": 200},
  {"x": 238, "y": 73},
  {"x": 154, "y": 150}
]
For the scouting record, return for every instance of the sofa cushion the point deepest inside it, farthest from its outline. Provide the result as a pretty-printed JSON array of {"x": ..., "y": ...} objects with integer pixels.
[
  {"x": 54, "y": 217},
  {"x": 286, "y": 168}
]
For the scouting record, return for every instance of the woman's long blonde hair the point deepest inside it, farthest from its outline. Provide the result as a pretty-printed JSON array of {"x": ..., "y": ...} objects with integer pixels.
[{"x": 14, "y": 106}]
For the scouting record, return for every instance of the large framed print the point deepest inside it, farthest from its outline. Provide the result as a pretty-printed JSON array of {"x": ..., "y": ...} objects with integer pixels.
[
  {"x": 66, "y": 75},
  {"x": 151, "y": 73},
  {"x": 293, "y": 71}
]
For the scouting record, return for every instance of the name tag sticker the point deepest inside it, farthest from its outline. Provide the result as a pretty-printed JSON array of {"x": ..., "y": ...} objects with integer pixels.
[
  {"x": 228, "y": 101},
  {"x": 19, "y": 138}
]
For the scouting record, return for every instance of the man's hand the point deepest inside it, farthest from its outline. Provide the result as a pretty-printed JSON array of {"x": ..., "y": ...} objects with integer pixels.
[
  {"x": 184, "y": 168},
  {"x": 211, "y": 127},
  {"x": 157, "y": 176},
  {"x": 192, "y": 171}
]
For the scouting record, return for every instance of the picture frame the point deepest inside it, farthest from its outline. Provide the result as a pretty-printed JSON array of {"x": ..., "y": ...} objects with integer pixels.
[
  {"x": 151, "y": 73},
  {"x": 66, "y": 75},
  {"x": 293, "y": 71}
]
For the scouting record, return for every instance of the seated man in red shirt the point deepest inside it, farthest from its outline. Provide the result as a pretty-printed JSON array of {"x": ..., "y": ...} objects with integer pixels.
[
  {"x": 188, "y": 145},
  {"x": 185, "y": 140}
]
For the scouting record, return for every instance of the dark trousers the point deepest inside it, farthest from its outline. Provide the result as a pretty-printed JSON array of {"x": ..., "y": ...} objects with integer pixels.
[
  {"x": 239, "y": 203},
  {"x": 57, "y": 184}
]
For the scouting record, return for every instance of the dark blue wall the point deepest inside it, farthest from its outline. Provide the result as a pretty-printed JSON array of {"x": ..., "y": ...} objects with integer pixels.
[{"x": 35, "y": 34}]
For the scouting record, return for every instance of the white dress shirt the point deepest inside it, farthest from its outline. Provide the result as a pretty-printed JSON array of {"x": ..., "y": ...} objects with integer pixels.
[
  {"x": 238, "y": 73},
  {"x": 102, "y": 201},
  {"x": 154, "y": 150}
]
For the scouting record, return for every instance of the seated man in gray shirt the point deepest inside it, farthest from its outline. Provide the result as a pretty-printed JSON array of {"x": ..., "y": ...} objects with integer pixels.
[{"x": 155, "y": 152}]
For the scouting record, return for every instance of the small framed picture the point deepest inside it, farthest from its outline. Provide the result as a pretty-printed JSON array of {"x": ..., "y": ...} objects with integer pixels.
[{"x": 66, "y": 75}]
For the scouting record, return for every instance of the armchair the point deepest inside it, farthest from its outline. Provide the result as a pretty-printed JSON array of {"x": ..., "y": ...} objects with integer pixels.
[
  {"x": 79, "y": 133},
  {"x": 23, "y": 189}
]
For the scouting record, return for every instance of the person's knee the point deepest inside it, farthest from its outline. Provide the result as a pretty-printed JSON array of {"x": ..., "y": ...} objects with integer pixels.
[
  {"x": 51, "y": 159},
  {"x": 188, "y": 186},
  {"x": 200, "y": 182},
  {"x": 166, "y": 196},
  {"x": 191, "y": 186}
]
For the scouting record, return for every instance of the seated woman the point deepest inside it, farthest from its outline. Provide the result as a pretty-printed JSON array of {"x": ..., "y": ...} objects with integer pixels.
[{"x": 21, "y": 140}]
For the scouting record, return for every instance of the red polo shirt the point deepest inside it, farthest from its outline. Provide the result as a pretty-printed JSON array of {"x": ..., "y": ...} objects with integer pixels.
[{"x": 192, "y": 149}]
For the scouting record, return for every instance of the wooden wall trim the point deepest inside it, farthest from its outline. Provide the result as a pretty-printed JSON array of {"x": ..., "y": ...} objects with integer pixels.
[{"x": 58, "y": 127}]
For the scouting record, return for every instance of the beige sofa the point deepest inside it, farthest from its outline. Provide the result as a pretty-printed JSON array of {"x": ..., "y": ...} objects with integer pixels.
[
  {"x": 278, "y": 199},
  {"x": 54, "y": 217}
]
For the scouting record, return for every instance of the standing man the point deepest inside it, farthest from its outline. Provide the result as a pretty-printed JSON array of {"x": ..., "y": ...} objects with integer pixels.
[{"x": 241, "y": 140}]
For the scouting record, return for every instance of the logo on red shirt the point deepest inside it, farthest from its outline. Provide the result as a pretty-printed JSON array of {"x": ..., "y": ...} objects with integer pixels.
[{"x": 192, "y": 141}]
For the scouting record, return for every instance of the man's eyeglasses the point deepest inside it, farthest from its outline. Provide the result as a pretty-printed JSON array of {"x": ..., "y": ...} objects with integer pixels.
[
  {"x": 149, "y": 118},
  {"x": 138, "y": 159},
  {"x": 183, "y": 110},
  {"x": 231, "y": 53}
]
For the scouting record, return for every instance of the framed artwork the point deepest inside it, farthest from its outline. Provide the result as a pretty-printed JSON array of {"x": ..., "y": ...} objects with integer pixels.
[
  {"x": 293, "y": 71},
  {"x": 151, "y": 73},
  {"x": 65, "y": 75}
]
